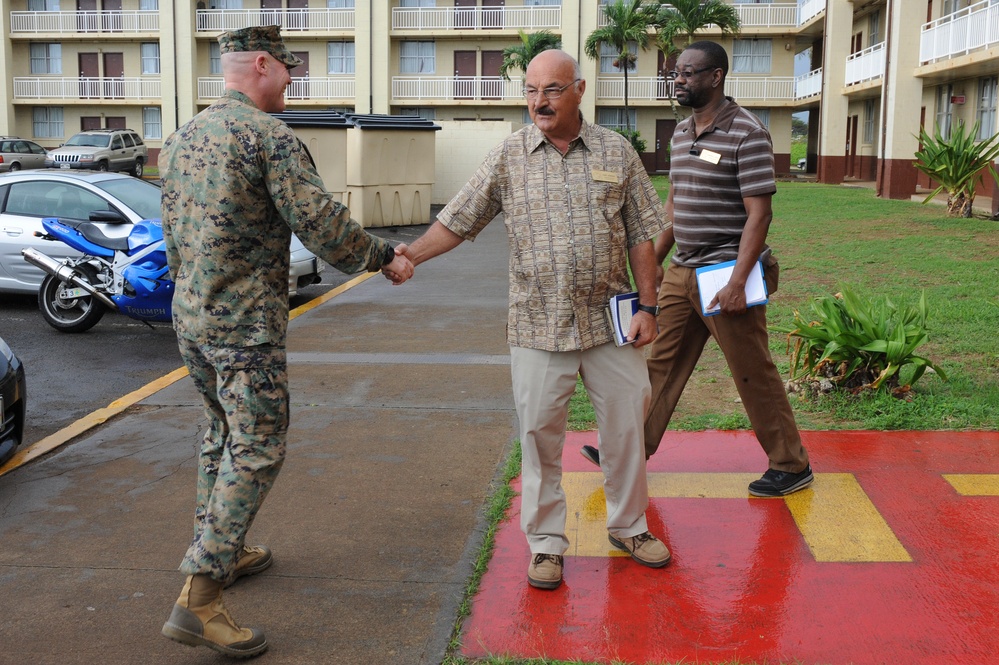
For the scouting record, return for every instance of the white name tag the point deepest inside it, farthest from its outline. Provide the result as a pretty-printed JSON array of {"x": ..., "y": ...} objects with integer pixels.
[{"x": 710, "y": 156}]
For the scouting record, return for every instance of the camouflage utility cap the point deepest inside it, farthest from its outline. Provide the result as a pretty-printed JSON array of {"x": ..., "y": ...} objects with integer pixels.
[{"x": 263, "y": 38}]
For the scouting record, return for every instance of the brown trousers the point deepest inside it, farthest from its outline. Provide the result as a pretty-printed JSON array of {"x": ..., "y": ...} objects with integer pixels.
[{"x": 744, "y": 340}]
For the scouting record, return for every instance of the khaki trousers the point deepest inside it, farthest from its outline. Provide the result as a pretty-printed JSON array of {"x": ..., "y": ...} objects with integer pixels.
[
  {"x": 744, "y": 340},
  {"x": 617, "y": 382}
]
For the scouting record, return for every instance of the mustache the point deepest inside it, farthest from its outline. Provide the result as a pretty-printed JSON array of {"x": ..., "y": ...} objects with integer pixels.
[{"x": 545, "y": 111}]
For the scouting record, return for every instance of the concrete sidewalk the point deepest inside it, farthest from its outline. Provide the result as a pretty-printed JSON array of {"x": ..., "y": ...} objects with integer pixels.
[{"x": 401, "y": 415}]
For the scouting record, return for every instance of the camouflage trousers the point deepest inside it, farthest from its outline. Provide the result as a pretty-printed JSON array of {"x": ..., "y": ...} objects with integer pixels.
[{"x": 245, "y": 391}]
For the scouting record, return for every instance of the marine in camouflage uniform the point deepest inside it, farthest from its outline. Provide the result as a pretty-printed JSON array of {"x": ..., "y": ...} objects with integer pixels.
[{"x": 236, "y": 184}]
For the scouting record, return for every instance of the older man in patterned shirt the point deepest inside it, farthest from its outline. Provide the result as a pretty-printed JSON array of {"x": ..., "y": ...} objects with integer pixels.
[
  {"x": 236, "y": 184},
  {"x": 578, "y": 207}
]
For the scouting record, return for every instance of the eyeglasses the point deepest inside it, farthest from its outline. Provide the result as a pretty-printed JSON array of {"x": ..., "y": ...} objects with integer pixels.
[
  {"x": 673, "y": 75},
  {"x": 549, "y": 93}
]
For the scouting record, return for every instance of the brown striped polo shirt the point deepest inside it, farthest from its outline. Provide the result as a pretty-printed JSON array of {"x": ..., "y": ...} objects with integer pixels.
[{"x": 709, "y": 176}]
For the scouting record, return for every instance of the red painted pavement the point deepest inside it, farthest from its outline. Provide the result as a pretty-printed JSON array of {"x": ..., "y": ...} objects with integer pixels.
[{"x": 743, "y": 584}]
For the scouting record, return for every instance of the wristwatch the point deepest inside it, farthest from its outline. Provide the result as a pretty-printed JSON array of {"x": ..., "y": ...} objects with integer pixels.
[{"x": 651, "y": 309}]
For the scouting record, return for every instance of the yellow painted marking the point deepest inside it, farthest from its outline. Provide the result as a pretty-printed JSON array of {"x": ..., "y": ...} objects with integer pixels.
[
  {"x": 83, "y": 425},
  {"x": 840, "y": 523},
  {"x": 974, "y": 484},
  {"x": 835, "y": 516}
]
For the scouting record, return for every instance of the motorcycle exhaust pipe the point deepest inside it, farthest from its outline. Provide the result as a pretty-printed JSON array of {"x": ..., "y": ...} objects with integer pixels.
[{"x": 65, "y": 274}]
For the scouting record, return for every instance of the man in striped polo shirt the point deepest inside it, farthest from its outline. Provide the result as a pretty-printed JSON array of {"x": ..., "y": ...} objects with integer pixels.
[{"x": 722, "y": 182}]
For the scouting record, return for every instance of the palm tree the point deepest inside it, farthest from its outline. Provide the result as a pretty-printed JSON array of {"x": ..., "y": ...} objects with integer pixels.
[
  {"x": 627, "y": 21},
  {"x": 518, "y": 57},
  {"x": 682, "y": 18}
]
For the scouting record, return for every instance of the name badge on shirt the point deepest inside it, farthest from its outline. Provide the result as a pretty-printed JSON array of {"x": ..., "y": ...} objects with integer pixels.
[
  {"x": 605, "y": 176},
  {"x": 710, "y": 156}
]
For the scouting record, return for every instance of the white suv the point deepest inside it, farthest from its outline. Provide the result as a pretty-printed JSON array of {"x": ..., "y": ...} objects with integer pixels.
[{"x": 101, "y": 150}]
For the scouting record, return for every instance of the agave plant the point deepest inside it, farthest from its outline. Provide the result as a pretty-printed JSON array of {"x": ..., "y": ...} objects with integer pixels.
[
  {"x": 860, "y": 343},
  {"x": 956, "y": 163}
]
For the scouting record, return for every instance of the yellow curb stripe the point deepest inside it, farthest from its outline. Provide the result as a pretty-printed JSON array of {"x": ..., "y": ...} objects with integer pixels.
[
  {"x": 974, "y": 484},
  {"x": 835, "y": 516},
  {"x": 100, "y": 416}
]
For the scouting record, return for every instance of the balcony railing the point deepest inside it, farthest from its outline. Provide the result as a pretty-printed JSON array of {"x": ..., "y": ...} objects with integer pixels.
[
  {"x": 809, "y": 9},
  {"x": 970, "y": 29},
  {"x": 784, "y": 15},
  {"x": 86, "y": 88},
  {"x": 478, "y": 18},
  {"x": 639, "y": 88},
  {"x": 865, "y": 65},
  {"x": 808, "y": 85},
  {"x": 301, "y": 88},
  {"x": 456, "y": 88},
  {"x": 87, "y": 21},
  {"x": 317, "y": 20},
  {"x": 742, "y": 88}
]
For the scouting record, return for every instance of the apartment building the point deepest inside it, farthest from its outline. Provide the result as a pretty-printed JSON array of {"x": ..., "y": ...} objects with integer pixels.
[{"x": 880, "y": 68}]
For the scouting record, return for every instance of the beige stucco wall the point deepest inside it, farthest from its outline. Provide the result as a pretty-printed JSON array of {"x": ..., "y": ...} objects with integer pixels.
[{"x": 461, "y": 147}]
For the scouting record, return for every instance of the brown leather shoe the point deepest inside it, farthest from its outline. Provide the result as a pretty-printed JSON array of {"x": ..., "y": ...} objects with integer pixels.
[
  {"x": 200, "y": 619},
  {"x": 545, "y": 571},
  {"x": 252, "y": 559},
  {"x": 644, "y": 548}
]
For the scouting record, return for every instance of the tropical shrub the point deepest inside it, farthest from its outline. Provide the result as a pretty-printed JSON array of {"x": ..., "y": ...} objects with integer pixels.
[
  {"x": 859, "y": 343},
  {"x": 956, "y": 163},
  {"x": 633, "y": 135}
]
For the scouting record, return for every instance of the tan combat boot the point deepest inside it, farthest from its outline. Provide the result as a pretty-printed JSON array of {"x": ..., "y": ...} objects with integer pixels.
[
  {"x": 252, "y": 559},
  {"x": 200, "y": 619}
]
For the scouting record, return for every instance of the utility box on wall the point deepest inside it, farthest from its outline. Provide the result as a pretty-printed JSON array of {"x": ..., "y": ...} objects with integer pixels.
[{"x": 380, "y": 166}]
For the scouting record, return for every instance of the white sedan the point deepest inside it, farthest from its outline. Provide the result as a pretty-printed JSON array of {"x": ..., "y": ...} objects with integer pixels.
[{"x": 27, "y": 197}]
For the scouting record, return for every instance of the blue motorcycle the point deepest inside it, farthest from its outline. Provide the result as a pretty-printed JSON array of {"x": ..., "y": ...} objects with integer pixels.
[{"x": 126, "y": 274}]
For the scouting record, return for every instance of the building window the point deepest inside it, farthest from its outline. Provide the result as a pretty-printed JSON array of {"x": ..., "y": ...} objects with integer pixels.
[
  {"x": 340, "y": 57},
  {"x": 421, "y": 112},
  {"x": 43, "y": 5},
  {"x": 751, "y": 56},
  {"x": 542, "y": 3},
  {"x": 47, "y": 122},
  {"x": 987, "y": 102},
  {"x": 225, "y": 4},
  {"x": 417, "y": 3},
  {"x": 763, "y": 115},
  {"x": 874, "y": 28},
  {"x": 149, "y": 5},
  {"x": 417, "y": 58},
  {"x": 46, "y": 58},
  {"x": 615, "y": 118},
  {"x": 944, "y": 110},
  {"x": 608, "y": 58},
  {"x": 870, "y": 119},
  {"x": 152, "y": 122},
  {"x": 150, "y": 57},
  {"x": 214, "y": 58},
  {"x": 339, "y": 4}
]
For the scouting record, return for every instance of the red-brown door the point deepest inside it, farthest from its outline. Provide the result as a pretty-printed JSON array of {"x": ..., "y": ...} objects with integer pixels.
[
  {"x": 492, "y": 84},
  {"x": 298, "y": 19},
  {"x": 86, "y": 22},
  {"x": 492, "y": 13},
  {"x": 464, "y": 14},
  {"x": 272, "y": 12},
  {"x": 300, "y": 77},
  {"x": 90, "y": 75},
  {"x": 464, "y": 73},
  {"x": 88, "y": 122},
  {"x": 114, "y": 74},
  {"x": 664, "y": 134},
  {"x": 111, "y": 16},
  {"x": 114, "y": 122}
]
